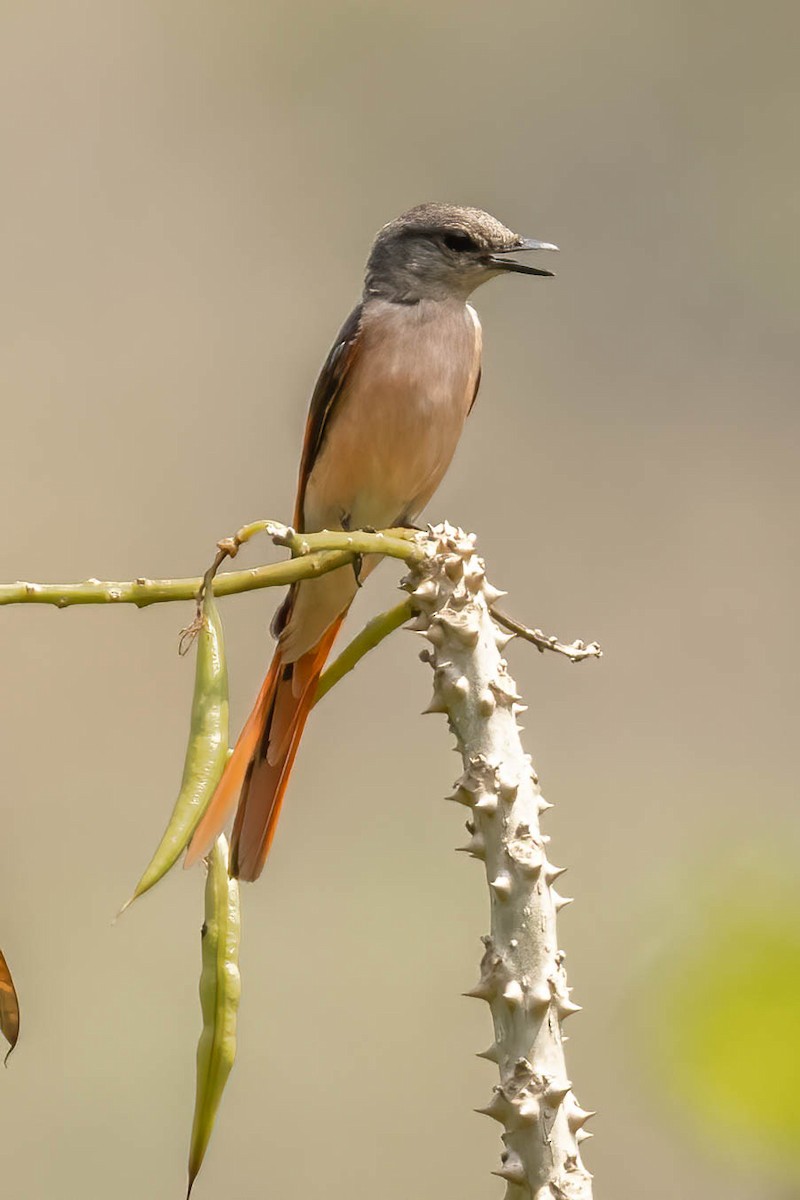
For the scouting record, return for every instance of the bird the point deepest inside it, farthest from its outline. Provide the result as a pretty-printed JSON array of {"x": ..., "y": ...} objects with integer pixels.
[{"x": 385, "y": 417}]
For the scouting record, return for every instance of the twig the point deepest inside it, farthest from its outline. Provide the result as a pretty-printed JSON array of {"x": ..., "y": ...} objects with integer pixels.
[
  {"x": 227, "y": 547},
  {"x": 371, "y": 635},
  {"x": 574, "y": 651},
  {"x": 316, "y": 554}
]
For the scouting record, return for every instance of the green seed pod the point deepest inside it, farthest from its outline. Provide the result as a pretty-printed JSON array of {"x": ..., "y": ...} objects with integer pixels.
[
  {"x": 206, "y": 752},
  {"x": 220, "y": 989}
]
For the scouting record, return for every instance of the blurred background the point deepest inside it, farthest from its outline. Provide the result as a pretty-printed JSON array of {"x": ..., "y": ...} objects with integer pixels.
[{"x": 190, "y": 191}]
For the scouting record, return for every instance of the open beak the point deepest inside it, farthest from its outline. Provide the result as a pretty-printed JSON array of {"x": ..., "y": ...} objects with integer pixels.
[{"x": 510, "y": 264}]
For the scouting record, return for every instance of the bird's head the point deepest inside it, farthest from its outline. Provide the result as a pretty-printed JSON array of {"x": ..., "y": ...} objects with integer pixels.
[{"x": 441, "y": 251}]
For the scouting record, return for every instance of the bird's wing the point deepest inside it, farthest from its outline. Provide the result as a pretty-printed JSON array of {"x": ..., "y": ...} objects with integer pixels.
[
  {"x": 326, "y": 394},
  {"x": 475, "y": 393}
]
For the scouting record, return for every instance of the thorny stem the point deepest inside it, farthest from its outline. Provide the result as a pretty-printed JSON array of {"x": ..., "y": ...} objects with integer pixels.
[
  {"x": 575, "y": 651},
  {"x": 522, "y": 974}
]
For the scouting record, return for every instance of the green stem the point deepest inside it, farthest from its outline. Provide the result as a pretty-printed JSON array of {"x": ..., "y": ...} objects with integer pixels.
[
  {"x": 371, "y": 635},
  {"x": 317, "y": 553}
]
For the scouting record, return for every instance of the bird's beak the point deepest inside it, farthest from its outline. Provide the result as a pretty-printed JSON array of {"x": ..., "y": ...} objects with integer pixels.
[{"x": 509, "y": 264}]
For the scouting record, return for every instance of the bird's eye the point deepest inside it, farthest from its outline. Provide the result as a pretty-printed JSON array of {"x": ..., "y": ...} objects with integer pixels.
[{"x": 460, "y": 242}]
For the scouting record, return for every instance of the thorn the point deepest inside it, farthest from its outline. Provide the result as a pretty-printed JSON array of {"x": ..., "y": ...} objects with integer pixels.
[
  {"x": 497, "y": 1108},
  {"x": 426, "y": 593},
  {"x": 462, "y": 796},
  {"x": 417, "y": 624},
  {"x": 479, "y": 992},
  {"x": 566, "y": 1008},
  {"x": 552, "y": 872},
  {"x": 540, "y": 996},
  {"x": 556, "y": 1091},
  {"x": 488, "y": 985},
  {"x": 501, "y": 639},
  {"x": 491, "y": 1053},
  {"x": 462, "y": 626},
  {"x": 513, "y": 994},
  {"x": 528, "y": 1111},
  {"x": 437, "y": 705},
  {"x": 560, "y": 902},
  {"x": 487, "y": 804},
  {"x": 583, "y": 1135},
  {"x": 516, "y": 709},
  {"x": 486, "y": 703},
  {"x": 467, "y": 781},
  {"x": 502, "y": 693},
  {"x": 577, "y": 1117},
  {"x": 434, "y": 633},
  {"x": 507, "y": 787},
  {"x": 501, "y": 886},
  {"x": 453, "y": 567},
  {"x": 528, "y": 860},
  {"x": 476, "y": 847},
  {"x": 474, "y": 575},
  {"x": 492, "y": 593},
  {"x": 512, "y": 1169},
  {"x": 542, "y": 804}
]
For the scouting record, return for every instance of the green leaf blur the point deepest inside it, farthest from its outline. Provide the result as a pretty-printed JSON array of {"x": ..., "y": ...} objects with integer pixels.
[{"x": 729, "y": 1046}]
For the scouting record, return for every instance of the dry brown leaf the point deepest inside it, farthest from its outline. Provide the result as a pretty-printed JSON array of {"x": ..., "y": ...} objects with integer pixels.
[{"x": 9, "y": 1006}]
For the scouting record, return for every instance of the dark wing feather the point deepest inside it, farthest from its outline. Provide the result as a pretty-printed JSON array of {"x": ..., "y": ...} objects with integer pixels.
[
  {"x": 475, "y": 393},
  {"x": 326, "y": 393}
]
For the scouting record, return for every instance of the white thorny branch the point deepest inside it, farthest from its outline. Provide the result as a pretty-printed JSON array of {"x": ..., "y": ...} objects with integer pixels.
[{"x": 522, "y": 973}]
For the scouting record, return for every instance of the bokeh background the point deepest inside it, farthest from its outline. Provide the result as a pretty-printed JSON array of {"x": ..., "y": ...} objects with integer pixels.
[{"x": 190, "y": 190}]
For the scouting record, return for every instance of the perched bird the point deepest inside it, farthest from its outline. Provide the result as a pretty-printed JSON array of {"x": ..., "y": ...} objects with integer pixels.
[{"x": 384, "y": 422}]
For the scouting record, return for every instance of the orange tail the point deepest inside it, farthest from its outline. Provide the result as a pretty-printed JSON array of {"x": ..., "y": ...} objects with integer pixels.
[{"x": 257, "y": 773}]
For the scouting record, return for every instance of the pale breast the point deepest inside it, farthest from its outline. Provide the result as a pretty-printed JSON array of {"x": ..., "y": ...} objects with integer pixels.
[
  {"x": 389, "y": 441},
  {"x": 400, "y": 415}
]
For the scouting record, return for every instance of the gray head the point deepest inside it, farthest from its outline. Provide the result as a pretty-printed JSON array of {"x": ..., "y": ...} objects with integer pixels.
[{"x": 440, "y": 252}]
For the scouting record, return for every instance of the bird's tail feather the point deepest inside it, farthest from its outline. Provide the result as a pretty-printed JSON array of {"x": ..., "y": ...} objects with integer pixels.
[{"x": 257, "y": 773}]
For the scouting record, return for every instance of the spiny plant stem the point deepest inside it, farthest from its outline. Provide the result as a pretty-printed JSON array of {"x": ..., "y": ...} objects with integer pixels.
[{"x": 522, "y": 973}]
